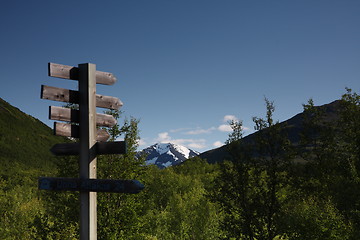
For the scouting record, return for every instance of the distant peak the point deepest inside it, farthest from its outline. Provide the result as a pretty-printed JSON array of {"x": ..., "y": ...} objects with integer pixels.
[{"x": 167, "y": 154}]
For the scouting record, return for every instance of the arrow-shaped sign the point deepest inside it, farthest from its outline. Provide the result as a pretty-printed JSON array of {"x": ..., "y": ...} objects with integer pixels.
[
  {"x": 72, "y": 115},
  {"x": 69, "y": 72},
  {"x": 70, "y": 130},
  {"x": 67, "y": 149},
  {"x": 72, "y": 96},
  {"x": 90, "y": 185}
]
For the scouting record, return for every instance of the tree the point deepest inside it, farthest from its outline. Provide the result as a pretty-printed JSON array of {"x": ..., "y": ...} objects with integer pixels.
[
  {"x": 349, "y": 125},
  {"x": 317, "y": 141},
  {"x": 274, "y": 159},
  {"x": 346, "y": 191},
  {"x": 118, "y": 214},
  {"x": 116, "y": 130},
  {"x": 252, "y": 186},
  {"x": 237, "y": 131},
  {"x": 329, "y": 176},
  {"x": 234, "y": 187}
]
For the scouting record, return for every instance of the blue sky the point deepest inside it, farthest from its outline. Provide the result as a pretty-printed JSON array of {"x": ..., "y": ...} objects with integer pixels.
[{"x": 185, "y": 67}]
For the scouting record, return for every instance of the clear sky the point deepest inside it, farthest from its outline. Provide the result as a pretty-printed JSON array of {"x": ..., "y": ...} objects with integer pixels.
[{"x": 185, "y": 67}]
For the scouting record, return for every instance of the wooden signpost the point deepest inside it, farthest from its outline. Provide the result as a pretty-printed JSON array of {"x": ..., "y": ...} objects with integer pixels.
[{"x": 83, "y": 124}]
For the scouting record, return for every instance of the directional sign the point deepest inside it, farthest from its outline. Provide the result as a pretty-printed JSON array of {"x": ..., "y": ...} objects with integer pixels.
[
  {"x": 68, "y": 149},
  {"x": 59, "y": 94},
  {"x": 90, "y": 185},
  {"x": 70, "y": 130},
  {"x": 72, "y": 96},
  {"x": 69, "y": 72},
  {"x": 92, "y": 142},
  {"x": 72, "y": 115}
]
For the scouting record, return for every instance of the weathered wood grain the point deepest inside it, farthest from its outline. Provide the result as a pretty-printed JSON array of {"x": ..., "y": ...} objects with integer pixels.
[
  {"x": 87, "y": 156},
  {"x": 102, "y": 135},
  {"x": 69, "y": 130},
  {"x": 72, "y": 115},
  {"x": 64, "y": 114},
  {"x": 66, "y": 130},
  {"x": 72, "y": 96},
  {"x": 72, "y": 73},
  {"x": 105, "y": 120},
  {"x": 59, "y": 94},
  {"x": 108, "y": 102}
]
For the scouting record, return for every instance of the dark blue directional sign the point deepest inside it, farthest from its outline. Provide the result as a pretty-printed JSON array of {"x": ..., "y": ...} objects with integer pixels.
[{"x": 90, "y": 185}]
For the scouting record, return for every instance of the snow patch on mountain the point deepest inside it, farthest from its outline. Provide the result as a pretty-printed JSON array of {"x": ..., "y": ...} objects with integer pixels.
[{"x": 167, "y": 154}]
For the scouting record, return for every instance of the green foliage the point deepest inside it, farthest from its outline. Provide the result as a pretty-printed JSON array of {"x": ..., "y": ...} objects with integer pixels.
[
  {"x": 265, "y": 194},
  {"x": 114, "y": 131},
  {"x": 17, "y": 207},
  {"x": 261, "y": 191},
  {"x": 312, "y": 219},
  {"x": 252, "y": 188},
  {"x": 24, "y": 140},
  {"x": 118, "y": 214},
  {"x": 24, "y": 156},
  {"x": 349, "y": 125},
  {"x": 177, "y": 202}
]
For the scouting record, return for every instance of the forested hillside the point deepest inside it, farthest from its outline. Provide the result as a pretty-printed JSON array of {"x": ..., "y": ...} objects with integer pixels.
[
  {"x": 24, "y": 156},
  {"x": 268, "y": 188},
  {"x": 276, "y": 188},
  {"x": 292, "y": 127}
]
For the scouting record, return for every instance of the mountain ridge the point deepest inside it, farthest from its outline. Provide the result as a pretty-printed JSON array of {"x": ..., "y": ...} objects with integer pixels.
[
  {"x": 292, "y": 126},
  {"x": 167, "y": 154}
]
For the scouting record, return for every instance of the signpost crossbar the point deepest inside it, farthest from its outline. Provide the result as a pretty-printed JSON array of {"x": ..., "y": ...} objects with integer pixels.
[{"x": 90, "y": 185}]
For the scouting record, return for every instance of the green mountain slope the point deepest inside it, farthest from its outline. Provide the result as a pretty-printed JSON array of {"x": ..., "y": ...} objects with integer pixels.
[
  {"x": 24, "y": 143},
  {"x": 24, "y": 156}
]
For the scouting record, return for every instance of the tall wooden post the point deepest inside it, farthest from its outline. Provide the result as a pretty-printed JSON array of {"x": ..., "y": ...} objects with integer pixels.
[
  {"x": 88, "y": 147},
  {"x": 87, "y": 89}
]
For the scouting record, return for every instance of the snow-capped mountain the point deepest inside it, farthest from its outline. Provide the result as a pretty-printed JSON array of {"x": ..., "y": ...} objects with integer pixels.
[{"x": 167, "y": 154}]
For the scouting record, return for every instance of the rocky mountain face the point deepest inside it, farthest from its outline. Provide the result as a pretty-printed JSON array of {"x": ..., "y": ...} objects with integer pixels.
[{"x": 167, "y": 154}]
